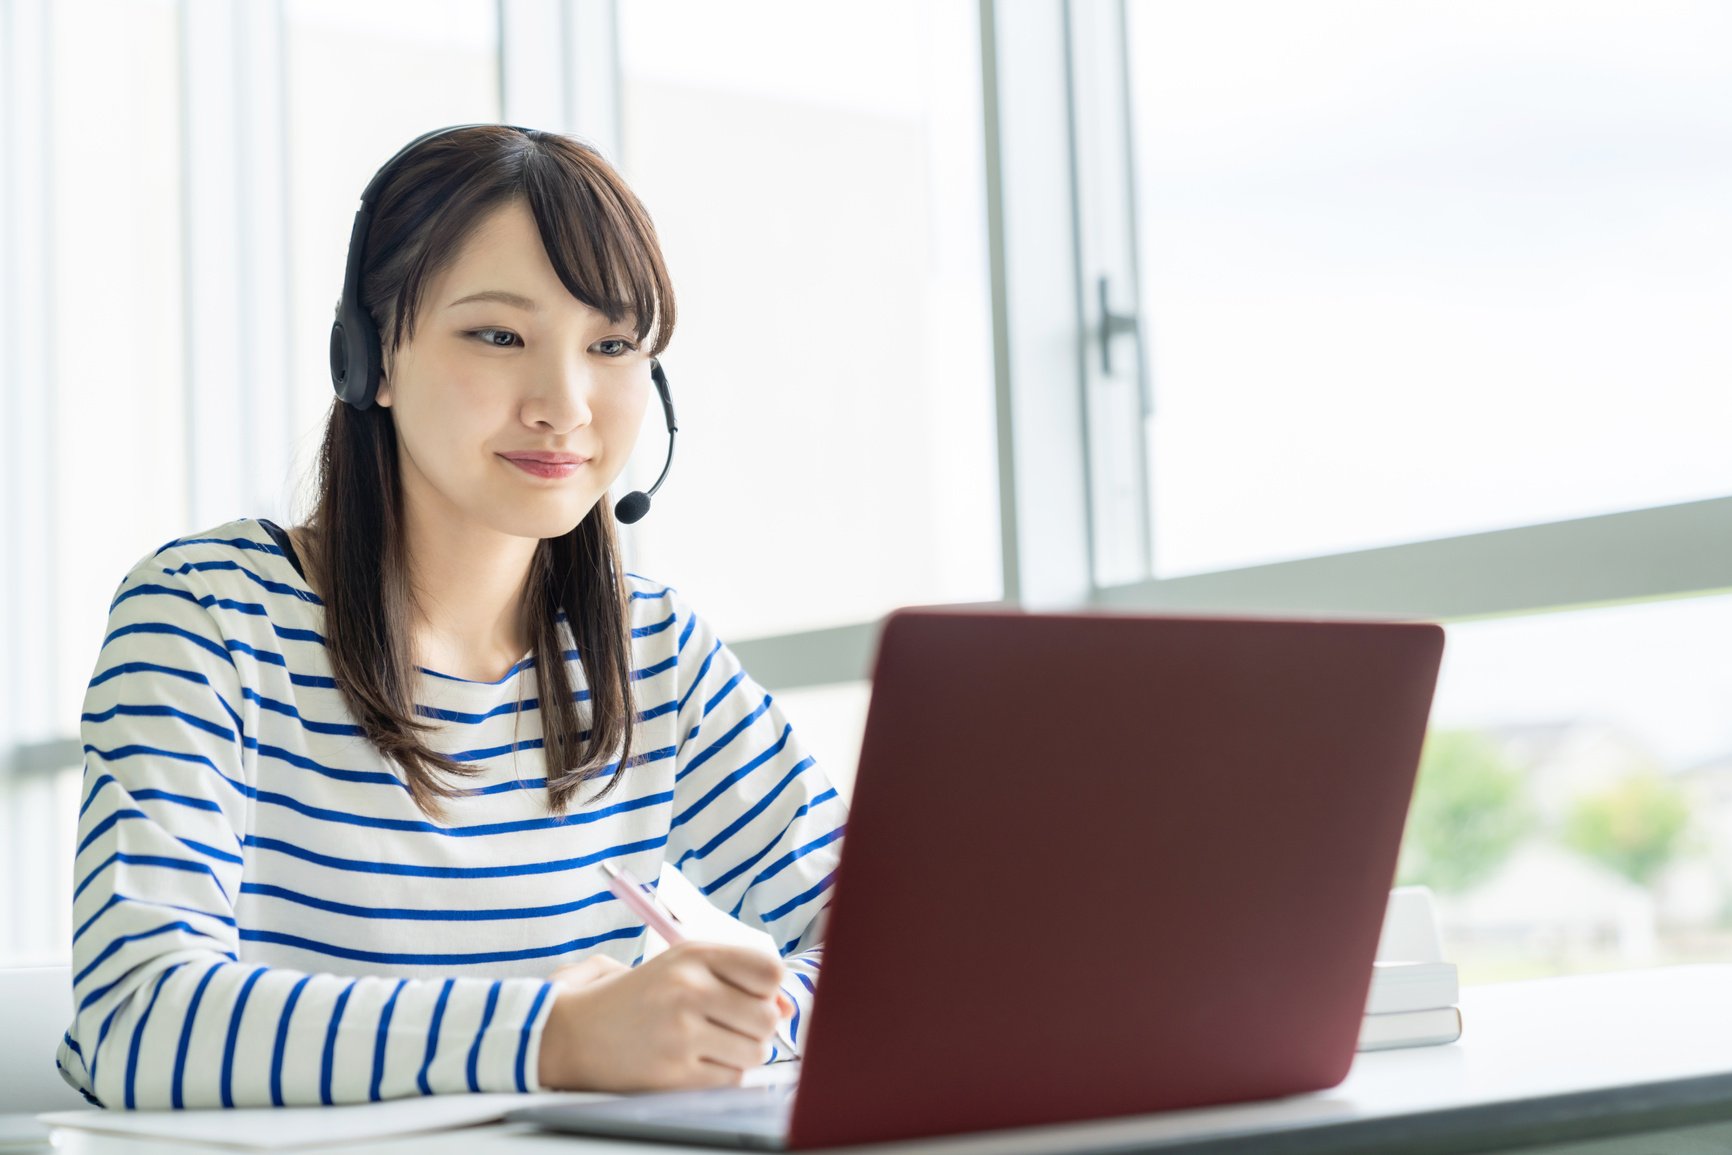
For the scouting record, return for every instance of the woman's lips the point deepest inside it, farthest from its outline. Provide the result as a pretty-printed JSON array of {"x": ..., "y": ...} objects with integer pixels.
[{"x": 536, "y": 468}]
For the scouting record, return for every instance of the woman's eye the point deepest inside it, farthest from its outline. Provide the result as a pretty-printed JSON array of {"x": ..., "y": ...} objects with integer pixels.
[
  {"x": 489, "y": 336},
  {"x": 624, "y": 346}
]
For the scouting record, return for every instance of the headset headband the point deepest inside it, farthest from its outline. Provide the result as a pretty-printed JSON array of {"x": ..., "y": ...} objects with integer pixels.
[{"x": 355, "y": 350}]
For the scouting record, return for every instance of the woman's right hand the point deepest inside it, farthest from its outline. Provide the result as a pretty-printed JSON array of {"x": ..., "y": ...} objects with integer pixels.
[{"x": 699, "y": 1014}]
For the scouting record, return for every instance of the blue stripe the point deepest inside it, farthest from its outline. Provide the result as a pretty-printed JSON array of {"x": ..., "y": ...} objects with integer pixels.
[
  {"x": 265, "y": 657},
  {"x": 385, "y": 778},
  {"x": 655, "y": 711},
  {"x": 102, "y": 1033},
  {"x": 149, "y": 589},
  {"x": 120, "y": 752},
  {"x": 479, "y": 830},
  {"x": 301, "y": 761},
  {"x": 477, "y": 753},
  {"x": 96, "y": 788},
  {"x": 481, "y": 1033},
  {"x": 117, "y": 898},
  {"x": 661, "y": 666},
  {"x": 417, "y": 871},
  {"x": 210, "y": 601},
  {"x": 824, "y": 839},
  {"x": 418, "y": 914},
  {"x": 151, "y": 795},
  {"x": 234, "y": 1035},
  {"x": 116, "y": 944},
  {"x": 818, "y": 888},
  {"x": 123, "y": 709},
  {"x": 237, "y": 542},
  {"x": 329, "y": 1057},
  {"x": 275, "y": 587},
  {"x": 297, "y": 634},
  {"x": 103, "y": 827},
  {"x": 750, "y": 813},
  {"x": 721, "y": 785},
  {"x": 115, "y": 816},
  {"x": 193, "y": 676},
  {"x": 272, "y": 705},
  {"x": 252, "y": 609},
  {"x": 138, "y": 1035},
  {"x": 727, "y": 688},
  {"x": 523, "y": 1036},
  {"x": 164, "y": 628},
  {"x": 209, "y": 851},
  {"x": 283, "y": 1040},
  {"x": 467, "y": 718},
  {"x": 518, "y": 665},
  {"x": 334, "y": 951},
  {"x": 433, "y": 1037},
  {"x": 379, "y": 1041},
  {"x": 186, "y": 1024},
  {"x": 698, "y": 678},
  {"x": 654, "y": 628},
  {"x": 721, "y": 743},
  {"x": 691, "y": 624},
  {"x": 146, "y": 860}
]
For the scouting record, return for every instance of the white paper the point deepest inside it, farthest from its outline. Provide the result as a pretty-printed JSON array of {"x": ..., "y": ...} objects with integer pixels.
[
  {"x": 268, "y": 1128},
  {"x": 281, "y": 1128}
]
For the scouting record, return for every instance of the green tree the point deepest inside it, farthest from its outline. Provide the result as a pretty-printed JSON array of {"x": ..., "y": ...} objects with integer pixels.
[
  {"x": 1469, "y": 811},
  {"x": 1635, "y": 826}
]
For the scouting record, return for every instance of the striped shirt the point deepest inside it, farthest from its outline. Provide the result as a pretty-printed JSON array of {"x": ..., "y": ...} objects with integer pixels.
[{"x": 263, "y": 916}]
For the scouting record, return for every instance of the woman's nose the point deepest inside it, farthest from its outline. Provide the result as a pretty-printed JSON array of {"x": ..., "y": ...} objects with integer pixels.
[{"x": 566, "y": 402}]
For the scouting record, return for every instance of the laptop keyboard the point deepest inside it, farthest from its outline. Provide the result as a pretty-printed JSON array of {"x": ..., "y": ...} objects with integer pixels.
[{"x": 766, "y": 1107}]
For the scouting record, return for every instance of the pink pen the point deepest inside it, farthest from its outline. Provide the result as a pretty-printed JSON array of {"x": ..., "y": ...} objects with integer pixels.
[{"x": 643, "y": 902}]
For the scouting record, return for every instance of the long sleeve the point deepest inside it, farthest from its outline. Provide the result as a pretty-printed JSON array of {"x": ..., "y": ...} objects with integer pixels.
[
  {"x": 757, "y": 827},
  {"x": 166, "y": 1011}
]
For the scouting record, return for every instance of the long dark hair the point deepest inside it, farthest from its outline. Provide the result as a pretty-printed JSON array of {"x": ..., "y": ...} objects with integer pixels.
[{"x": 604, "y": 248}]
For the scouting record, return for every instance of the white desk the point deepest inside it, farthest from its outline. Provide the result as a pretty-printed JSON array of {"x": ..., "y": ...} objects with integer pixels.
[{"x": 1644, "y": 1055}]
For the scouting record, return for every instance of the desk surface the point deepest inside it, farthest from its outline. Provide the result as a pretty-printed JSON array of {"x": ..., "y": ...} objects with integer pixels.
[{"x": 1548, "y": 1059}]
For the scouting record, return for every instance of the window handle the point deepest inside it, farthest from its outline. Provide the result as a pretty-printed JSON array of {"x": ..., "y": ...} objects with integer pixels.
[{"x": 1112, "y": 324}]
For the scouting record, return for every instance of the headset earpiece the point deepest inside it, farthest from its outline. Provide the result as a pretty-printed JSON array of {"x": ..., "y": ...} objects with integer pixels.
[{"x": 355, "y": 353}]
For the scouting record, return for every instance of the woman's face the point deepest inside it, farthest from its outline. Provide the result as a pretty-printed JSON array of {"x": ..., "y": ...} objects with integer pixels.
[{"x": 483, "y": 378}]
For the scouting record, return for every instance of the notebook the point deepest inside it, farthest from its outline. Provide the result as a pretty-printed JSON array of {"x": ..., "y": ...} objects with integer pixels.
[{"x": 1096, "y": 865}]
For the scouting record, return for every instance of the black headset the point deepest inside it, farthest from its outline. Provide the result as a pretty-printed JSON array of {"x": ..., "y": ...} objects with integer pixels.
[{"x": 355, "y": 350}]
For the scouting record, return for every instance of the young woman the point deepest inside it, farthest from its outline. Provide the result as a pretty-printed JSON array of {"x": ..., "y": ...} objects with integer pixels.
[{"x": 348, "y": 786}]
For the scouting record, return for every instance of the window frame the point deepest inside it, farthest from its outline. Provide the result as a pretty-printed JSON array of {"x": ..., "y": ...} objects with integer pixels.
[{"x": 1057, "y": 143}]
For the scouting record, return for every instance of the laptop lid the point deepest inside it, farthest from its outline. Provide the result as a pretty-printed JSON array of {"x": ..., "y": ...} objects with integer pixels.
[{"x": 1102, "y": 864}]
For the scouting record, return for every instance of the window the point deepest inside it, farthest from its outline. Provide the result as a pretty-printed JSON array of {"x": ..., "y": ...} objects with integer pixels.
[
  {"x": 1422, "y": 269},
  {"x": 1427, "y": 298},
  {"x": 1574, "y": 810},
  {"x": 407, "y": 67},
  {"x": 833, "y": 384},
  {"x": 110, "y": 262}
]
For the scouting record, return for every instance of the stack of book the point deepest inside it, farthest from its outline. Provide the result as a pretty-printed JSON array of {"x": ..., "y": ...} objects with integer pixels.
[
  {"x": 1412, "y": 1004},
  {"x": 1414, "y": 992}
]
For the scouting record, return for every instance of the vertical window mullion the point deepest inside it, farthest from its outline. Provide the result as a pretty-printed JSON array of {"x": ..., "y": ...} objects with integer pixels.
[
  {"x": 213, "y": 240},
  {"x": 1112, "y": 362},
  {"x": 1043, "y": 468},
  {"x": 28, "y": 292}
]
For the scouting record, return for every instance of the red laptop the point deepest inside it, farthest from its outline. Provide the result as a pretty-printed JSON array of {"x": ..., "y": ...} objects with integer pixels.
[{"x": 1096, "y": 864}]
